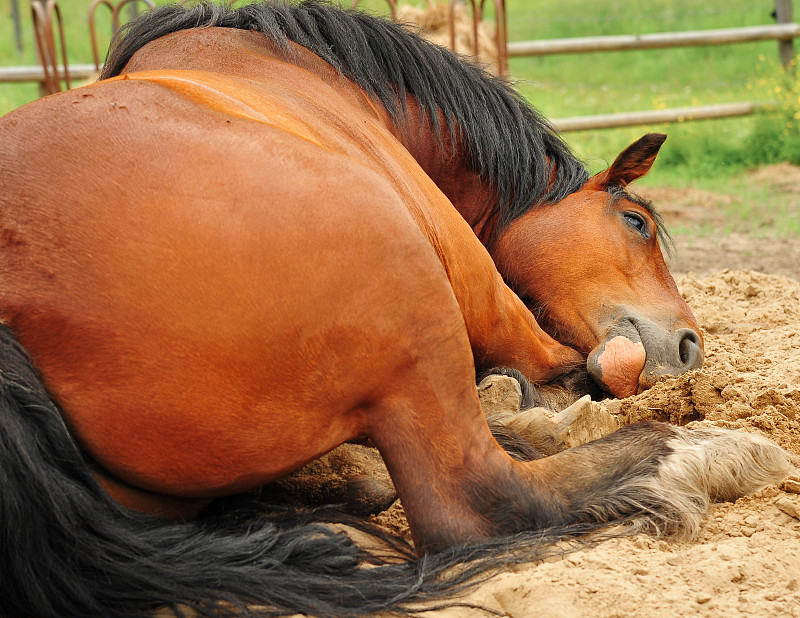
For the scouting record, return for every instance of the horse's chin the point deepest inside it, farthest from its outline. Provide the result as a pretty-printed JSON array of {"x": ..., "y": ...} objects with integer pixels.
[{"x": 617, "y": 363}]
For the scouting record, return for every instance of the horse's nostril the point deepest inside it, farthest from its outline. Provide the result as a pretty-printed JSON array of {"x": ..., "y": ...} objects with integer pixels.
[{"x": 690, "y": 349}]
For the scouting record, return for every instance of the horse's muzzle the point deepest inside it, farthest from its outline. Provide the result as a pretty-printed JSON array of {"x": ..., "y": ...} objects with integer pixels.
[{"x": 637, "y": 353}]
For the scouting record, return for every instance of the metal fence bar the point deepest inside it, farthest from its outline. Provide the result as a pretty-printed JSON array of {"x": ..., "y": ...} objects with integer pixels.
[
  {"x": 676, "y": 114},
  {"x": 579, "y": 45},
  {"x": 17, "y": 24}
]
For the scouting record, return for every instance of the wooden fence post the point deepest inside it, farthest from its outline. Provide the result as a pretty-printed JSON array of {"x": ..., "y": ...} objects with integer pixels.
[{"x": 783, "y": 15}]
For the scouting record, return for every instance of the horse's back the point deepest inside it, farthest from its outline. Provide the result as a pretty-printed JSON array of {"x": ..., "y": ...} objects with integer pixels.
[{"x": 204, "y": 290}]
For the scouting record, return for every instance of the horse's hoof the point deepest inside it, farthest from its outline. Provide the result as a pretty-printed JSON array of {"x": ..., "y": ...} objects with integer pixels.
[
  {"x": 368, "y": 495},
  {"x": 499, "y": 394}
]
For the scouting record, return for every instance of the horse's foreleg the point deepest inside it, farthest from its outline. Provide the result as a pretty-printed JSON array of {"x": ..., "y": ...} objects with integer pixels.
[
  {"x": 502, "y": 331},
  {"x": 458, "y": 486},
  {"x": 660, "y": 477}
]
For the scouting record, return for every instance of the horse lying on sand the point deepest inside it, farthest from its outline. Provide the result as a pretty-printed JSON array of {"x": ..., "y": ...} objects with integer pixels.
[{"x": 307, "y": 191}]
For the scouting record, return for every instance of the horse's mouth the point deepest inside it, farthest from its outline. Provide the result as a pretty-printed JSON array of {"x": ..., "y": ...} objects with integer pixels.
[
  {"x": 637, "y": 353},
  {"x": 617, "y": 363}
]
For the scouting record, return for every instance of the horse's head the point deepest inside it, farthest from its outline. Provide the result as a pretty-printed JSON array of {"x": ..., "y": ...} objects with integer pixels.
[{"x": 590, "y": 267}]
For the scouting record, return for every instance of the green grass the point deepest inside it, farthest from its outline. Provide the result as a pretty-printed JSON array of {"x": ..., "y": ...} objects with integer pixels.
[
  {"x": 581, "y": 84},
  {"x": 79, "y": 50},
  {"x": 750, "y": 206},
  {"x": 700, "y": 153}
]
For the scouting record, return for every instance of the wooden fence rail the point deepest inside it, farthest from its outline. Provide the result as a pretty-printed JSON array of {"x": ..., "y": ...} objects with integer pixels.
[
  {"x": 659, "y": 116},
  {"x": 660, "y": 40},
  {"x": 784, "y": 32},
  {"x": 35, "y": 72}
]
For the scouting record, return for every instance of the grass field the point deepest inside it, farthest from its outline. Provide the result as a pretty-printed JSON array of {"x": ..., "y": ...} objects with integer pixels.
[{"x": 702, "y": 153}]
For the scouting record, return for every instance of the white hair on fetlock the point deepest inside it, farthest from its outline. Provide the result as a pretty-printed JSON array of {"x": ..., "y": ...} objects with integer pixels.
[{"x": 706, "y": 465}]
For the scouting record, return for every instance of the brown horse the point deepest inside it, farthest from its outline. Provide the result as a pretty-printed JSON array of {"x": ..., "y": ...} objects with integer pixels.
[
  {"x": 270, "y": 191},
  {"x": 580, "y": 252}
]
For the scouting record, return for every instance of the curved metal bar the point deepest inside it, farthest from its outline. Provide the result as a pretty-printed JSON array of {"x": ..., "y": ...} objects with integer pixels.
[
  {"x": 501, "y": 35},
  {"x": 115, "y": 13},
  {"x": 477, "y": 17},
  {"x": 93, "y": 31},
  {"x": 54, "y": 10},
  {"x": 452, "y": 25},
  {"x": 477, "y": 12},
  {"x": 42, "y": 14},
  {"x": 39, "y": 18}
]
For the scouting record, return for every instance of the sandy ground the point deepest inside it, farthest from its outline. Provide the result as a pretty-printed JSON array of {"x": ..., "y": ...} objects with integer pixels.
[
  {"x": 716, "y": 250},
  {"x": 745, "y": 293}
]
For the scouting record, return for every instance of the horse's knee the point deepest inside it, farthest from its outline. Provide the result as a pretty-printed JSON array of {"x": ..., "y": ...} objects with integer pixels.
[{"x": 352, "y": 475}]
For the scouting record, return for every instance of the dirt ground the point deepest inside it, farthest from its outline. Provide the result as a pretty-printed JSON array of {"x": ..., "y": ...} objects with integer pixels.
[
  {"x": 745, "y": 293},
  {"x": 716, "y": 250}
]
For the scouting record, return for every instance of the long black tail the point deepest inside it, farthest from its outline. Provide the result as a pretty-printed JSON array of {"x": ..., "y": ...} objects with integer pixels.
[{"x": 67, "y": 549}]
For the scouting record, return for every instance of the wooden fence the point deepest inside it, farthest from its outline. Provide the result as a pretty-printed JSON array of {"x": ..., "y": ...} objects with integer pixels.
[{"x": 784, "y": 32}]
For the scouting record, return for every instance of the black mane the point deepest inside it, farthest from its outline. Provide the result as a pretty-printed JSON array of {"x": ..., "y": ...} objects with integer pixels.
[{"x": 510, "y": 145}]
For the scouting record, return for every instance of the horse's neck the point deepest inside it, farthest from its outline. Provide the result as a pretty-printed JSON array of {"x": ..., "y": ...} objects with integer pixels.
[{"x": 446, "y": 163}]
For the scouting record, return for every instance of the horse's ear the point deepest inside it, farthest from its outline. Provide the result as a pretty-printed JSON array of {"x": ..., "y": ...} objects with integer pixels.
[{"x": 632, "y": 163}]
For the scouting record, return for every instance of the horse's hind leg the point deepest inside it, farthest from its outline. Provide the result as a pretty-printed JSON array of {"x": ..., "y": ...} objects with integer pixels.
[{"x": 458, "y": 486}]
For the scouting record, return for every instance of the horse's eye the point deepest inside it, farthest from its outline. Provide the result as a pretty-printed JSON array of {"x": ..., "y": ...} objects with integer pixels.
[{"x": 637, "y": 222}]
